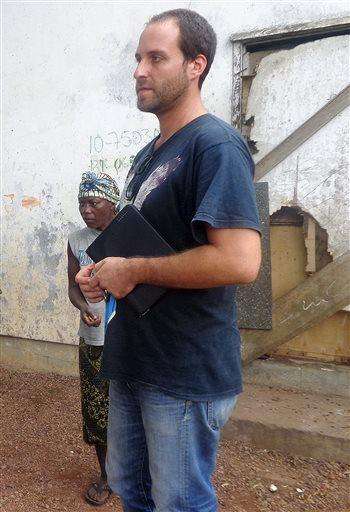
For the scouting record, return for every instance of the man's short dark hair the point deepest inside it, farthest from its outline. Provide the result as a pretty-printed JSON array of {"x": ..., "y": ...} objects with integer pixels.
[{"x": 197, "y": 36}]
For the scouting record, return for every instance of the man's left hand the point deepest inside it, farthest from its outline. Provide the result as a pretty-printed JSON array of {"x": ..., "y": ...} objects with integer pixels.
[{"x": 114, "y": 275}]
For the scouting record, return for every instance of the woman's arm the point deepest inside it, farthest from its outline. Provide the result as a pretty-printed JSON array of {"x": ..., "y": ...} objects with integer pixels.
[{"x": 75, "y": 295}]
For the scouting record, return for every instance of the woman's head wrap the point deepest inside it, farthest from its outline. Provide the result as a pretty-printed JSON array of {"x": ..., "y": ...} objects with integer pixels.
[{"x": 101, "y": 185}]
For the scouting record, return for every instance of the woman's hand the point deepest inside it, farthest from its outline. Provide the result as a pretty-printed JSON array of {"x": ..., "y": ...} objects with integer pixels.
[{"x": 88, "y": 316}]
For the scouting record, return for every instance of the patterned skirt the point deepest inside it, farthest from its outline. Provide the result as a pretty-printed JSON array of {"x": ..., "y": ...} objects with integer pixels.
[{"x": 94, "y": 394}]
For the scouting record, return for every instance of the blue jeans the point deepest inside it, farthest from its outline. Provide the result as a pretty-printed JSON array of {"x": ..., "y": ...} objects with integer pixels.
[{"x": 162, "y": 450}]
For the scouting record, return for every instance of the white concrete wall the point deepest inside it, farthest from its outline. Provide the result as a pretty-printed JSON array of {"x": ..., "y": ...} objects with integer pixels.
[
  {"x": 290, "y": 86},
  {"x": 68, "y": 100}
]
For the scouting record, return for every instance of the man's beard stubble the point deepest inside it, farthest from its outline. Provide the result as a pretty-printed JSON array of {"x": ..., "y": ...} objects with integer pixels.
[{"x": 166, "y": 96}]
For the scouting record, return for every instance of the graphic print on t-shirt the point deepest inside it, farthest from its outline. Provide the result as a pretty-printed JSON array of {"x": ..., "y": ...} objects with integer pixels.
[{"x": 156, "y": 178}]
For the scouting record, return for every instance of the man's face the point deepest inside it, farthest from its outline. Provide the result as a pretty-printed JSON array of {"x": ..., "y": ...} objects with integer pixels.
[
  {"x": 97, "y": 212},
  {"x": 161, "y": 73}
]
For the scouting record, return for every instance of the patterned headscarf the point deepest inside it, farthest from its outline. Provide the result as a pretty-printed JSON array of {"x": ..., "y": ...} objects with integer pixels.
[{"x": 101, "y": 185}]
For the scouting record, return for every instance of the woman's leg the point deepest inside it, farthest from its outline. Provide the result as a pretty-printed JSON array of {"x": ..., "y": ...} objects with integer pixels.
[
  {"x": 101, "y": 451},
  {"x": 94, "y": 402}
]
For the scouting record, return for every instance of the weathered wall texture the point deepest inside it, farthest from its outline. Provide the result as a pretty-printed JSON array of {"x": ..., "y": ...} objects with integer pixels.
[
  {"x": 290, "y": 86},
  {"x": 330, "y": 339},
  {"x": 68, "y": 106}
]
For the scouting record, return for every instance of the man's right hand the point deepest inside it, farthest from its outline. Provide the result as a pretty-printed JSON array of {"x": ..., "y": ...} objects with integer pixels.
[{"x": 92, "y": 293}]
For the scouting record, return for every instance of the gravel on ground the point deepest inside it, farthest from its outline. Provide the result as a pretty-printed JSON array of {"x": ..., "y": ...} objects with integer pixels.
[{"x": 46, "y": 466}]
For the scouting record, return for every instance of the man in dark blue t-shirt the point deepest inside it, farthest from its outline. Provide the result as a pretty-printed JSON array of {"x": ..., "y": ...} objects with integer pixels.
[{"x": 176, "y": 372}]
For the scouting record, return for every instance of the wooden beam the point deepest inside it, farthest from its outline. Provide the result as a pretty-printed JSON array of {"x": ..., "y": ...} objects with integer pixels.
[
  {"x": 303, "y": 133},
  {"x": 317, "y": 298},
  {"x": 289, "y": 32},
  {"x": 237, "y": 87}
]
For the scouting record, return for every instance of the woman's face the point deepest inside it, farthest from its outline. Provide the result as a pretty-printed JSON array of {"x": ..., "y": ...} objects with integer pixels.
[{"x": 96, "y": 212}]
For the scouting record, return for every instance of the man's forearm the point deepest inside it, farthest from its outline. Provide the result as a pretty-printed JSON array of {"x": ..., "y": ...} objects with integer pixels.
[
  {"x": 202, "y": 267},
  {"x": 230, "y": 257}
]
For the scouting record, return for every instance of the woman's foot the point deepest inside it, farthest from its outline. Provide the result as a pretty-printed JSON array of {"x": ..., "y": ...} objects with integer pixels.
[{"x": 98, "y": 493}]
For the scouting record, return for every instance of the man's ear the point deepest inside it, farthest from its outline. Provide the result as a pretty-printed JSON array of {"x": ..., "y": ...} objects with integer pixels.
[{"x": 197, "y": 66}]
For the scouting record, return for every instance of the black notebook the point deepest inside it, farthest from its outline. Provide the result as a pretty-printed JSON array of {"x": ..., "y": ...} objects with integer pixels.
[{"x": 130, "y": 235}]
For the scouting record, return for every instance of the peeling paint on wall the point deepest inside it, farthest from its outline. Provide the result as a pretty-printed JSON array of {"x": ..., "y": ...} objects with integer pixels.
[
  {"x": 30, "y": 202},
  {"x": 49, "y": 302},
  {"x": 34, "y": 298},
  {"x": 120, "y": 60},
  {"x": 9, "y": 196},
  {"x": 290, "y": 86}
]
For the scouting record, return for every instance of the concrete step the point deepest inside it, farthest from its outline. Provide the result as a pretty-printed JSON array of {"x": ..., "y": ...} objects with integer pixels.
[
  {"x": 301, "y": 375},
  {"x": 293, "y": 422}
]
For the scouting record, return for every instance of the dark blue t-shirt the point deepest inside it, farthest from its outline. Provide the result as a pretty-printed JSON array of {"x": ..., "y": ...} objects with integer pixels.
[{"x": 188, "y": 344}]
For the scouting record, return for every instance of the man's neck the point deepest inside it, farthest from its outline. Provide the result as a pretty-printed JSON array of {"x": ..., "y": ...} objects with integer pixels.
[{"x": 179, "y": 116}]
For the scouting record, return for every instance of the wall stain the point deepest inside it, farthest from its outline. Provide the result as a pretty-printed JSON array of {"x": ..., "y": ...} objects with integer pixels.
[
  {"x": 10, "y": 196},
  {"x": 120, "y": 62},
  {"x": 45, "y": 239},
  {"x": 34, "y": 298},
  {"x": 30, "y": 202},
  {"x": 49, "y": 302},
  {"x": 60, "y": 336}
]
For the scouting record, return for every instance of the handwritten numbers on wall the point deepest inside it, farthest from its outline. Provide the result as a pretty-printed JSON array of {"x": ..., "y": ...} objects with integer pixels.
[
  {"x": 114, "y": 143},
  {"x": 121, "y": 139}
]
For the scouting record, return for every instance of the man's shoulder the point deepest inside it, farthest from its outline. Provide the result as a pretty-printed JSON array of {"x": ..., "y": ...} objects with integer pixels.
[{"x": 214, "y": 131}]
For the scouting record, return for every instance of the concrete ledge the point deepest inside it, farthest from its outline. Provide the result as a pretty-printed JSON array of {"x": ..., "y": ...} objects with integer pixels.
[
  {"x": 290, "y": 441},
  {"x": 301, "y": 424},
  {"x": 301, "y": 375},
  {"x": 305, "y": 424},
  {"x": 38, "y": 356}
]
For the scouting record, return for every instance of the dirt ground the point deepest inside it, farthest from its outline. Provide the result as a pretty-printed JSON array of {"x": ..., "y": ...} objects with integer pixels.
[{"x": 46, "y": 466}]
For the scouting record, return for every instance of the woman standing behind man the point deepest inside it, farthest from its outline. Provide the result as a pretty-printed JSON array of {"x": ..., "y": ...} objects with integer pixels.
[{"x": 98, "y": 197}]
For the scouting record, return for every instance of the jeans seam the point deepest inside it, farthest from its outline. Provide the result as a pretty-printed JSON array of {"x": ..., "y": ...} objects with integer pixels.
[
  {"x": 186, "y": 465},
  {"x": 148, "y": 505},
  {"x": 211, "y": 419}
]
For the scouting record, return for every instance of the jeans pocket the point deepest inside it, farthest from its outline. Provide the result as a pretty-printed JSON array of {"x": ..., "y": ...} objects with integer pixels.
[
  {"x": 210, "y": 416},
  {"x": 219, "y": 411}
]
